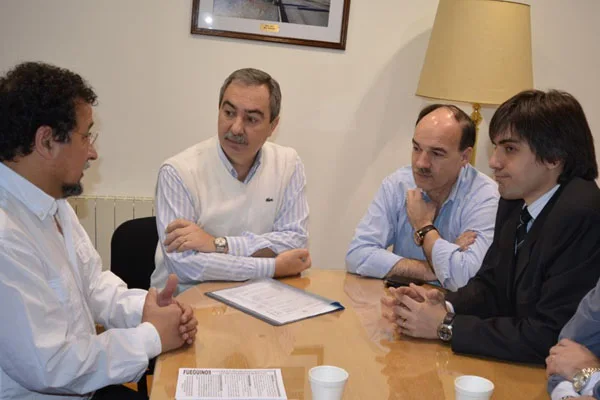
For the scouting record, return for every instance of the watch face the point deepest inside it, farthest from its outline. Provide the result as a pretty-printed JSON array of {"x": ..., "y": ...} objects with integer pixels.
[
  {"x": 445, "y": 332},
  {"x": 579, "y": 381},
  {"x": 418, "y": 239},
  {"x": 220, "y": 242}
]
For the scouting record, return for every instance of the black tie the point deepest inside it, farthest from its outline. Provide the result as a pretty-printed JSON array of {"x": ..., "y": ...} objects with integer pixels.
[{"x": 524, "y": 219}]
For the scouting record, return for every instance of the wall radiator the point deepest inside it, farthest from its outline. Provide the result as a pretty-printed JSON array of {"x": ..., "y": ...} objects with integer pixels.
[{"x": 101, "y": 215}]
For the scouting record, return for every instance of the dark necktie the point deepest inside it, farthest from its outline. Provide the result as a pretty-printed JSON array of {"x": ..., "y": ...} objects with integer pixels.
[{"x": 524, "y": 219}]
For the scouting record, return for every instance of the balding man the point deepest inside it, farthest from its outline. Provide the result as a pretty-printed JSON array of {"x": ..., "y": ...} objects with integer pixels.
[{"x": 438, "y": 214}]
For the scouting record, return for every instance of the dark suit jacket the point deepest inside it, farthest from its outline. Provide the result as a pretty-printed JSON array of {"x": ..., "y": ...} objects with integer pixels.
[{"x": 514, "y": 309}]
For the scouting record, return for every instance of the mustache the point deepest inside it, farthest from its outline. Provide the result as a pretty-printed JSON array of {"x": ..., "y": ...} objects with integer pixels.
[
  {"x": 423, "y": 171},
  {"x": 239, "y": 139},
  {"x": 87, "y": 165}
]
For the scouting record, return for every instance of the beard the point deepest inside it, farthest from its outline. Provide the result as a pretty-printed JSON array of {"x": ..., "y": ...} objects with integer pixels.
[{"x": 71, "y": 189}]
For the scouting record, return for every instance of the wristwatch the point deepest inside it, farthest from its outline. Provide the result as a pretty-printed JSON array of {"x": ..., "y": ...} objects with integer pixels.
[
  {"x": 445, "y": 329},
  {"x": 220, "y": 244},
  {"x": 582, "y": 377},
  {"x": 420, "y": 234}
]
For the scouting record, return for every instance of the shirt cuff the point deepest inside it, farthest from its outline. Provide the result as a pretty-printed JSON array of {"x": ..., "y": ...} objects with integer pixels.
[
  {"x": 565, "y": 388},
  {"x": 265, "y": 267},
  {"x": 379, "y": 264},
  {"x": 151, "y": 339},
  {"x": 449, "y": 307},
  {"x": 237, "y": 246},
  {"x": 588, "y": 389}
]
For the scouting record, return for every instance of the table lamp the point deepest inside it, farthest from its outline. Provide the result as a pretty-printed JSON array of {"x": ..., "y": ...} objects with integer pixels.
[{"x": 479, "y": 52}]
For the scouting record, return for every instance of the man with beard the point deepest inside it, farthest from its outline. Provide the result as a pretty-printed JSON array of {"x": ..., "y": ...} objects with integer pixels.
[
  {"x": 546, "y": 248},
  {"x": 52, "y": 287},
  {"x": 234, "y": 207},
  {"x": 438, "y": 214}
]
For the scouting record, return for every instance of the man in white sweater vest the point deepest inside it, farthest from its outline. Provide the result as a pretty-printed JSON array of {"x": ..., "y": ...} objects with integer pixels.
[{"x": 233, "y": 207}]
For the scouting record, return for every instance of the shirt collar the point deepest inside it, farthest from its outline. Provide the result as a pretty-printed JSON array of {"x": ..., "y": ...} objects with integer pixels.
[
  {"x": 537, "y": 206},
  {"x": 34, "y": 198},
  {"x": 454, "y": 190},
  {"x": 232, "y": 170}
]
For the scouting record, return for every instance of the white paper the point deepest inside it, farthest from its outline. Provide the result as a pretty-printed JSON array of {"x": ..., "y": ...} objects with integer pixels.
[
  {"x": 242, "y": 384},
  {"x": 277, "y": 301}
]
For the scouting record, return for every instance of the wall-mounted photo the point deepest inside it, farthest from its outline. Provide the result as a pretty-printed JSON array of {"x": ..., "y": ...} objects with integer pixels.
[{"x": 319, "y": 23}]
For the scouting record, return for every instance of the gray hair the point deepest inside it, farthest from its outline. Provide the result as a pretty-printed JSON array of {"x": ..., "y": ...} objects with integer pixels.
[{"x": 256, "y": 77}]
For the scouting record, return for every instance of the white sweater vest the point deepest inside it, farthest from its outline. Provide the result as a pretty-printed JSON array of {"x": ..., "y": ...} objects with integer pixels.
[{"x": 226, "y": 206}]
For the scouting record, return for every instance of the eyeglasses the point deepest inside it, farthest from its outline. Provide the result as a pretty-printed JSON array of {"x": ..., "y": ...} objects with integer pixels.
[{"x": 89, "y": 137}]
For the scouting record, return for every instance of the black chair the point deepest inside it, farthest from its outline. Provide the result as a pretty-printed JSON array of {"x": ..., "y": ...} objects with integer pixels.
[{"x": 132, "y": 249}]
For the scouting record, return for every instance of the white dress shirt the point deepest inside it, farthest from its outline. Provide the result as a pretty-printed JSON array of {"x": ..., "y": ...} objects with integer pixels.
[{"x": 52, "y": 292}]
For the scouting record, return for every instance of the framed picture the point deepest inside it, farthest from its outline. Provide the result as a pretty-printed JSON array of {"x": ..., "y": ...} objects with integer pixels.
[{"x": 319, "y": 23}]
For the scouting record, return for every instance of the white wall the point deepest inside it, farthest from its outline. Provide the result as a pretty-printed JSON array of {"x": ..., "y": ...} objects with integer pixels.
[{"x": 349, "y": 114}]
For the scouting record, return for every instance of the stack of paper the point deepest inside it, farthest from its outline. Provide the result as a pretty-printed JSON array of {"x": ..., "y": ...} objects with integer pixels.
[{"x": 238, "y": 384}]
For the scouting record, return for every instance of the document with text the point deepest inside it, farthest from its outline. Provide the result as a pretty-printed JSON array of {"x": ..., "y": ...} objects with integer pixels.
[
  {"x": 235, "y": 384},
  {"x": 275, "y": 302}
]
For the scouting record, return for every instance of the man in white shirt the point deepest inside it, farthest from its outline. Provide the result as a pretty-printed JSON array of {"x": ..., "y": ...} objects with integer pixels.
[
  {"x": 233, "y": 207},
  {"x": 52, "y": 287}
]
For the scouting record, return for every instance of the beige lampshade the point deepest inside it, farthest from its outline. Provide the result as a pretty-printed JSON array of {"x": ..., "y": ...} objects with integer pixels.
[{"x": 479, "y": 52}]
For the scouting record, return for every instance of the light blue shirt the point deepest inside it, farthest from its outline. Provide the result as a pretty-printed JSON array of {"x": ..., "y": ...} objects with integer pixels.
[
  {"x": 471, "y": 206},
  {"x": 290, "y": 230}
]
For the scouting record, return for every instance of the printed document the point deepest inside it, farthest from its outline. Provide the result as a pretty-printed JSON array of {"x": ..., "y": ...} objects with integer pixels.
[
  {"x": 275, "y": 302},
  {"x": 235, "y": 384}
]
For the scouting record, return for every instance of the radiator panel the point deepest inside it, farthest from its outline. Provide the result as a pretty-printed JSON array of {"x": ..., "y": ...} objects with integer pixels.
[{"x": 101, "y": 215}]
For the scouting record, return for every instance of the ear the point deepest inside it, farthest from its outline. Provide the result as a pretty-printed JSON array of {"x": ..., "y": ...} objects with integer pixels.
[
  {"x": 273, "y": 125},
  {"x": 44, "y": 143},
  {"x": 465, "y": 156},
  {"x": 553, "y": 165}
]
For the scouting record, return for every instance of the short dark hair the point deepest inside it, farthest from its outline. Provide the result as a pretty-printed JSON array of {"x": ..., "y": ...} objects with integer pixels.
[
  {"x": 554, "y": 126},
  {"x": 35, "y": 94},
  {"x": 256, "y": 77},
  {"x": 467, "y": 138}
]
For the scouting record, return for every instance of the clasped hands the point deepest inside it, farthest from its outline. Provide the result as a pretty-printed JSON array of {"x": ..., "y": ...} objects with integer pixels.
[
  {"x": 174, "y": 321},
  {"x": 414, "y": 310}
]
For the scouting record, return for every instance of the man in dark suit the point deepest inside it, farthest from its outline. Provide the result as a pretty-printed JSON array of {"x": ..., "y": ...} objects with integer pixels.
[{"x": 546, "y": 251}]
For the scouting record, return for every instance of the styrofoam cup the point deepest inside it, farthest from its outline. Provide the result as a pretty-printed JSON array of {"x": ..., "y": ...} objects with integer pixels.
[
  {"x": 327, "y": 382},
  {"x": 471, "y": 387}
]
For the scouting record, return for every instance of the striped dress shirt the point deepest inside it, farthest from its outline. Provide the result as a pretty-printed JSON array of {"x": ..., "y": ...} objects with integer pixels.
[{"x": 290, "y": 231}]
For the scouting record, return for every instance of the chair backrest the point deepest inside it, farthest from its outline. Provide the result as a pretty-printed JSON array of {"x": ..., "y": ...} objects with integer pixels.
[{"x": 132, "y": 249}]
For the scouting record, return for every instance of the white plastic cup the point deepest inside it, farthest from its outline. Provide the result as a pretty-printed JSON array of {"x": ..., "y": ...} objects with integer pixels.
[
  {"x": 471, "y": 387},
  {"x": 327, "y": 382}
]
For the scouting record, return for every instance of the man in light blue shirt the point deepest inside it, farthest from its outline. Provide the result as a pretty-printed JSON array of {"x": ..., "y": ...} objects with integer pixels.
[{"x": 438, "y": 214}]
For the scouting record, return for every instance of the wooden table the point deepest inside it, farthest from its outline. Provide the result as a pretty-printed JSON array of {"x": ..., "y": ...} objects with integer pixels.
[{"x": 381, "y": 364}]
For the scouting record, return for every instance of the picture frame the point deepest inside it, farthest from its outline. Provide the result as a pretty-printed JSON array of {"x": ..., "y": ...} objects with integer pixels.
[{"x": 317, "y": 23}]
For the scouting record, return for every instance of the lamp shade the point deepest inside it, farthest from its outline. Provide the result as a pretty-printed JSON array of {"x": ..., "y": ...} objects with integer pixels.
[{"x": 479, "y": 52}]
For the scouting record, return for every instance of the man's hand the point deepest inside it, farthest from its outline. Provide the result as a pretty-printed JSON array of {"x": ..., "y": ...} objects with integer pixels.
[
  {"x": 465, "y": 240},
  {"x": 183, "y": 235},
  {"x": 188, "y": 324},
  {"x": 165, "y": 319},
  {"x": 420, "y": 213},
  {"x": 391, "y": 304},
  {"x": 568, "y": 357},
  {"x": 292, "y": 262},
  {"x": 420, "y": 318}
]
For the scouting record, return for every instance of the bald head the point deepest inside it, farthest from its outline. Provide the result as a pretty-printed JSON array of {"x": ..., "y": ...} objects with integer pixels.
[{"x": 467, "y": 126}]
